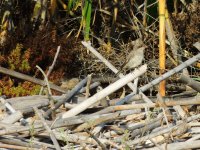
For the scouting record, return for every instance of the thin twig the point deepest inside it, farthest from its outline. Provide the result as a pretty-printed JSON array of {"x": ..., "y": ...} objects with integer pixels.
[
  {"x": 53, "y": 138},
  {"x": 51, "y": 67},
  {"x": 45, "y": 79},
  {"x": 96, "y": 139},
  {"x": 48, "y": 90}
]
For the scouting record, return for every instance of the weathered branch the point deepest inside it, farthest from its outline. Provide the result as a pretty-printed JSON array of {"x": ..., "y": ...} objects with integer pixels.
[
  {"x": 67, "y": 97},
  {"x": 190, "y": 82},
  {"x": 31, "y": 79},
  {"x": 105, "y": 92}
]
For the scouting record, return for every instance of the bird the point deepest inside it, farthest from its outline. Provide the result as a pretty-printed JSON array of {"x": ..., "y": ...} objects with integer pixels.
[{"x": 136, "y": 56}]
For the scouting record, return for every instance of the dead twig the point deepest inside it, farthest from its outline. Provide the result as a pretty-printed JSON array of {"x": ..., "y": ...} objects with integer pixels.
[
  {"x": 48, "y": 91},
  {"x": 96, "y": 139},
  {"x": 55, "y": 142},
  {"x": 51, "y": 67}
]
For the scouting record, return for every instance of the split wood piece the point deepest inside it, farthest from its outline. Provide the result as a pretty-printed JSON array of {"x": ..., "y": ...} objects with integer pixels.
[
  {"x": 105, "y": 61},
  {"x": 162, "y": 77},
  {"x": 105, "y": 92},
  {"x": 171, "y": 72},
  {"x": 31, "y": 79},
  {"x": 162, "y": 131},
  {"x": 194, "y": 124},
  {"x": 194, "y": 101},
  {"x": 12, "y": 110},
  {"x": 190, "y": 82},
  {"x": 67, "y": 97},
  {"x": 54, "y": 140},
  {"x": 9, "y": 126},
  {"x": 178, "y": 146}
]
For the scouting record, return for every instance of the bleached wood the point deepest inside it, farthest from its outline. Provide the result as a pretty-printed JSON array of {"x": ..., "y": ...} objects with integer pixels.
[
  {"x": 194, "y": 101},
  {"x": 105, "y": 92},
  {"x": 12, "y": 110},
  {"x": 14, "y": 117}
]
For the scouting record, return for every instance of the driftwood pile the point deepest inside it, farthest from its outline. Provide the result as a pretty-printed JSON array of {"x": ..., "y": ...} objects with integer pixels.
[{"x": 82, "y": 121}]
